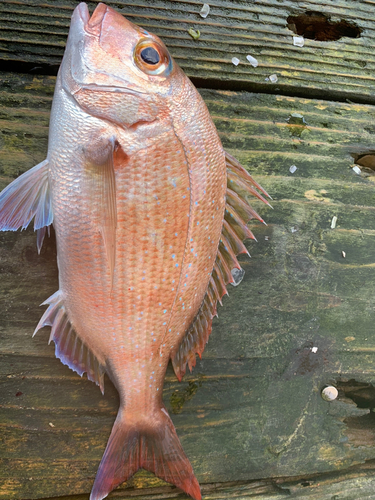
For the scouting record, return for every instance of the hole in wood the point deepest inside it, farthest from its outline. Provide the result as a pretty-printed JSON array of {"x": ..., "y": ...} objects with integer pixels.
[
  {"x": 360, "y": 430},
  {"x": 366, "y": 162},
  {"x": 317, "y": 26},
  {"x": 361, "y": 393}
]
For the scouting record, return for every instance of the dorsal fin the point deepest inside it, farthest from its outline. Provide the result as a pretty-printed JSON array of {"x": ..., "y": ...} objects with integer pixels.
[
  {"x": 237, "y": 213},
  {"x": 69, "y": 348}
]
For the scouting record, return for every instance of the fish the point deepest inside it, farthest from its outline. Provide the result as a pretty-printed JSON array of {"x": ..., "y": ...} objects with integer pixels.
[{"x": 150, "y": 213}]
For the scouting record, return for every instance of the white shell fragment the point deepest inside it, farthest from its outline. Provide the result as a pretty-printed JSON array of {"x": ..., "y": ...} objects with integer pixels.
[
  {"x": 237, "y": 275},
  {"x": 252, "y": 61},
  {"x": 273, "y": 78},
  {"x": 329, "y": 393},
  {"x": 292, "y": 169},
  {"x": 298, "y": 41},
  {"x": 356, "y": 169},
  {"x": 205, "y": 11},
  {"x": 314, "y": 350},
  {"x": 333, "y": 222},
  {"x": 235, "y": 61},
  {"x": 343, "y": 254}
]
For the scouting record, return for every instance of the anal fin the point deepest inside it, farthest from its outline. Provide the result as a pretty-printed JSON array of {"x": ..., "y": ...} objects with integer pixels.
[
  {"x": 69, "y": 348},
  {"x": 25, "y": 198}
]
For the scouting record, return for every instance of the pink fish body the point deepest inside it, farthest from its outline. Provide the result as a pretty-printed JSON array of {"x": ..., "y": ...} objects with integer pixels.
[{"x": 135, "y": 183}]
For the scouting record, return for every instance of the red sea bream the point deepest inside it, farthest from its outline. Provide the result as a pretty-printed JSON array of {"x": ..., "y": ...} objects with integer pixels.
[{"x": 149, "y": 213}]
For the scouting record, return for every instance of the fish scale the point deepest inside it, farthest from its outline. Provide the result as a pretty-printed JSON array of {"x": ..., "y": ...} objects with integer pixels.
[{"x": 150, "y": 213}]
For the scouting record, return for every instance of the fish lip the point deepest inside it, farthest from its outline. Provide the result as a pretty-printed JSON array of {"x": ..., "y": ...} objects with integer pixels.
[
  {"x": 93, "y": 24},
  {"x": 97, "y": 16},
  {"x": 83, "y": 12}
]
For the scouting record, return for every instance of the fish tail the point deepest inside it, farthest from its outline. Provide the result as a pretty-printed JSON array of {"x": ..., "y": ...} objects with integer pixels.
[{"x": 150, "y": 444}]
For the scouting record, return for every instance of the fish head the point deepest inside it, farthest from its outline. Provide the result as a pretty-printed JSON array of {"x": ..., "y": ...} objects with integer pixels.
[{"x": 116, "y": 70}]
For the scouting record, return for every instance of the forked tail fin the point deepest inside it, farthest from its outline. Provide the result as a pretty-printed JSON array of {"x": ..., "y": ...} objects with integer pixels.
[{"x": 150, "y": 444}]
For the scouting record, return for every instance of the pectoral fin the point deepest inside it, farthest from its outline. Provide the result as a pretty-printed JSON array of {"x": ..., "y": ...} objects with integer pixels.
[
  {"x": 26, "y": 198},
  {"x": 101, "y": 192}
]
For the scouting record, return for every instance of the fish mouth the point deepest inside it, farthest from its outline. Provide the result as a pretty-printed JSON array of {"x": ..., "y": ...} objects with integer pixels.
[{"x": 92, "y": 24}]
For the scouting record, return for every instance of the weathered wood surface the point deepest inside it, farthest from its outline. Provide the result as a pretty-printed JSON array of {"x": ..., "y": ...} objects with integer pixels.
[
  {"x": 33, "y": 32},
  {"x": 252, "y": 408}
]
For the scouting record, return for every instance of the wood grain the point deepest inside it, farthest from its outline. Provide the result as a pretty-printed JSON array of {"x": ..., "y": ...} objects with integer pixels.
[
  {"x": 252, "y": 407},
  {"x": 35, "y": 34}
]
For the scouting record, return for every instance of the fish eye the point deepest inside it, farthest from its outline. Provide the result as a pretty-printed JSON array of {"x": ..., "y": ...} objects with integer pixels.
[
  {"x": 150, "y": 55},
  {"x": 152, "y": 58}
]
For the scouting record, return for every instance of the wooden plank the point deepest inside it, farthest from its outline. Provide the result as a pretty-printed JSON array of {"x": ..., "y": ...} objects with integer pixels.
[
  {"x": 34, "y": 34},
  {"x": 252, "y": 407}
]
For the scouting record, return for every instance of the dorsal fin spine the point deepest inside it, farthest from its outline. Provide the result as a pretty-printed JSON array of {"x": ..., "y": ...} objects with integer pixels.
[
  {"x": 234, "y": 239},
  {"x": 215, "y": 290},
  {"x": 228, "y": 248},
  {"x": 239, "y": 223},
  {"x": 240, "y": 206}
]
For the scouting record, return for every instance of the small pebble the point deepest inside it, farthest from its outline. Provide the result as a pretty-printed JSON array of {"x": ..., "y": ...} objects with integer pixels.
[
  {"x": 333, "y": 222},
  {"x": 292, "y": 169},
  {"x": 314, "y": 350},
  {"x": 329, "y": 393},
  {"x": 205, "y": 11},
  {"x": 51, "y": 424},
  {"x": 343, "y": 254},
  {"x": 273, "y": 78},
  {"x": 298, "y": 41},
  {"x": 252, "y": 61},
  {"x": 235, "y": 61},
  {"x": 356, "y": 169}
]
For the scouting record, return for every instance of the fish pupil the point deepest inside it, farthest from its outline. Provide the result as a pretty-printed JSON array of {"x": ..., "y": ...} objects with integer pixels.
[{"x": 150, "y": 55}]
